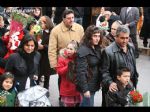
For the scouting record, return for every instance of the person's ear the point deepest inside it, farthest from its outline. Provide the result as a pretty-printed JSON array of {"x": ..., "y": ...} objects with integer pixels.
[
  {"x": 118, "y": 77},
  {"x": 63, "y": 19}
]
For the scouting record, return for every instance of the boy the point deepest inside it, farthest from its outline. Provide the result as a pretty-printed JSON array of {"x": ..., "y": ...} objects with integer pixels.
[{"x": 124, "y": 85}]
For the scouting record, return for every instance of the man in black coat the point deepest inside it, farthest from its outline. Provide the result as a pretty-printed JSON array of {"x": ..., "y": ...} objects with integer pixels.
[{"x": 119, "y": 53}]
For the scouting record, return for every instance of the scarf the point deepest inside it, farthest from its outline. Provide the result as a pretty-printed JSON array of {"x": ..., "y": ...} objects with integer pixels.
[{"x": 29, "y": 59}]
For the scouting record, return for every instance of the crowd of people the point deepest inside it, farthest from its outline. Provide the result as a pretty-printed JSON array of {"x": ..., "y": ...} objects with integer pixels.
[{"x": 86, "y": 57}]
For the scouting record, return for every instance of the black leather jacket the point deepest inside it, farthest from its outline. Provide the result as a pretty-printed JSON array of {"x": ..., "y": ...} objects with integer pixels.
[
  {"x": 120, "y": 97},
  {"x": 88, "y": 57},
  {"x": 112, "y": 60}
]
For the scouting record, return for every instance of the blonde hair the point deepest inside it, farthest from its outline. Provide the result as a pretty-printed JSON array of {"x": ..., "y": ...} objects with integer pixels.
[{"x": 75, "y": 44}]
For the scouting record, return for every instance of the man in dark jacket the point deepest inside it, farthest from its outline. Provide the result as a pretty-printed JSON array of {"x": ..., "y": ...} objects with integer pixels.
[{"x": 119, "y": 53}]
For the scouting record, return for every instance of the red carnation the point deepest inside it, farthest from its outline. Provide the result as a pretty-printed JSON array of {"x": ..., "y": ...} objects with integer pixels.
[{"x": 136, "y": 97}]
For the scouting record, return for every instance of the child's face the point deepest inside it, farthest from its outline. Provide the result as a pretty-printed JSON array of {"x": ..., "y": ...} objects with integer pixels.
[
  {"x": 7, "y": 83},
  {"x": 70, "y": 50},
  {"x": 124, "y": 78}
]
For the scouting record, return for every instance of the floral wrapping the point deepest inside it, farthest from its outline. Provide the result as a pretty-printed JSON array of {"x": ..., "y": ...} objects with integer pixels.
[
  {"x": 12, "y": 41},
  {"x": 37, "y": 32},
  {"x": 134, "y": 98},
  {"x": 3, "y": 100}
]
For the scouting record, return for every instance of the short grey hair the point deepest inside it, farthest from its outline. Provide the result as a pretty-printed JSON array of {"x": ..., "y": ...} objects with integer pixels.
[{"x": 122, "y": 28}]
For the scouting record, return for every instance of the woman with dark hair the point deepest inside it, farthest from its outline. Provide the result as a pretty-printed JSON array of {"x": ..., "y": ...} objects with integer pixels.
[
  {"x": 24, "y": 63},
  {"x": 37, "y": 12},
  {"x": 45, "y": 69},
  {"x": 88, "y": 65}
]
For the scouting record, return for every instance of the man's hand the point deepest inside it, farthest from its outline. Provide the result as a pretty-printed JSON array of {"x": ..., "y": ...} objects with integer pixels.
[{"x": 113, "y": 87}]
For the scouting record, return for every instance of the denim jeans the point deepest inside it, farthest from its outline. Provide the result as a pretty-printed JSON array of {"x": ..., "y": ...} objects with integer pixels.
[{"x": 87, "y": 102}]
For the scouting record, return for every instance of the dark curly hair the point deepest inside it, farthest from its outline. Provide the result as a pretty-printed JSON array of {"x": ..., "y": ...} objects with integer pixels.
[
  {"x": 87, "y": 37},
  {"x": 27, "y": 37}
]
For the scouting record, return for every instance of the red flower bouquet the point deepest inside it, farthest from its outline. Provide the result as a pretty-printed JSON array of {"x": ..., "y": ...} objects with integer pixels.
[{"x": 136, "y": 97}]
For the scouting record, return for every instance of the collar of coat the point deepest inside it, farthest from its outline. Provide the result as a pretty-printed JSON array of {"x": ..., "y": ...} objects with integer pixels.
[
  {"x": 116, "y": 48},
  {"x": 84, "y": 51},
  {"x": 64, "y": 28}
]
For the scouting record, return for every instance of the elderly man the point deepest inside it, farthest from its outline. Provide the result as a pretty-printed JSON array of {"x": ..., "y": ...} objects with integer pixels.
[
  {"x": 62, "y": 34},
  {"x": 119, "y": 54},
  {"x": 110, "y": 38}
]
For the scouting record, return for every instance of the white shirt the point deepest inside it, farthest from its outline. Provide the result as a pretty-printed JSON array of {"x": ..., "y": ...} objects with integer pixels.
[{"x": 98, "y": 21}]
